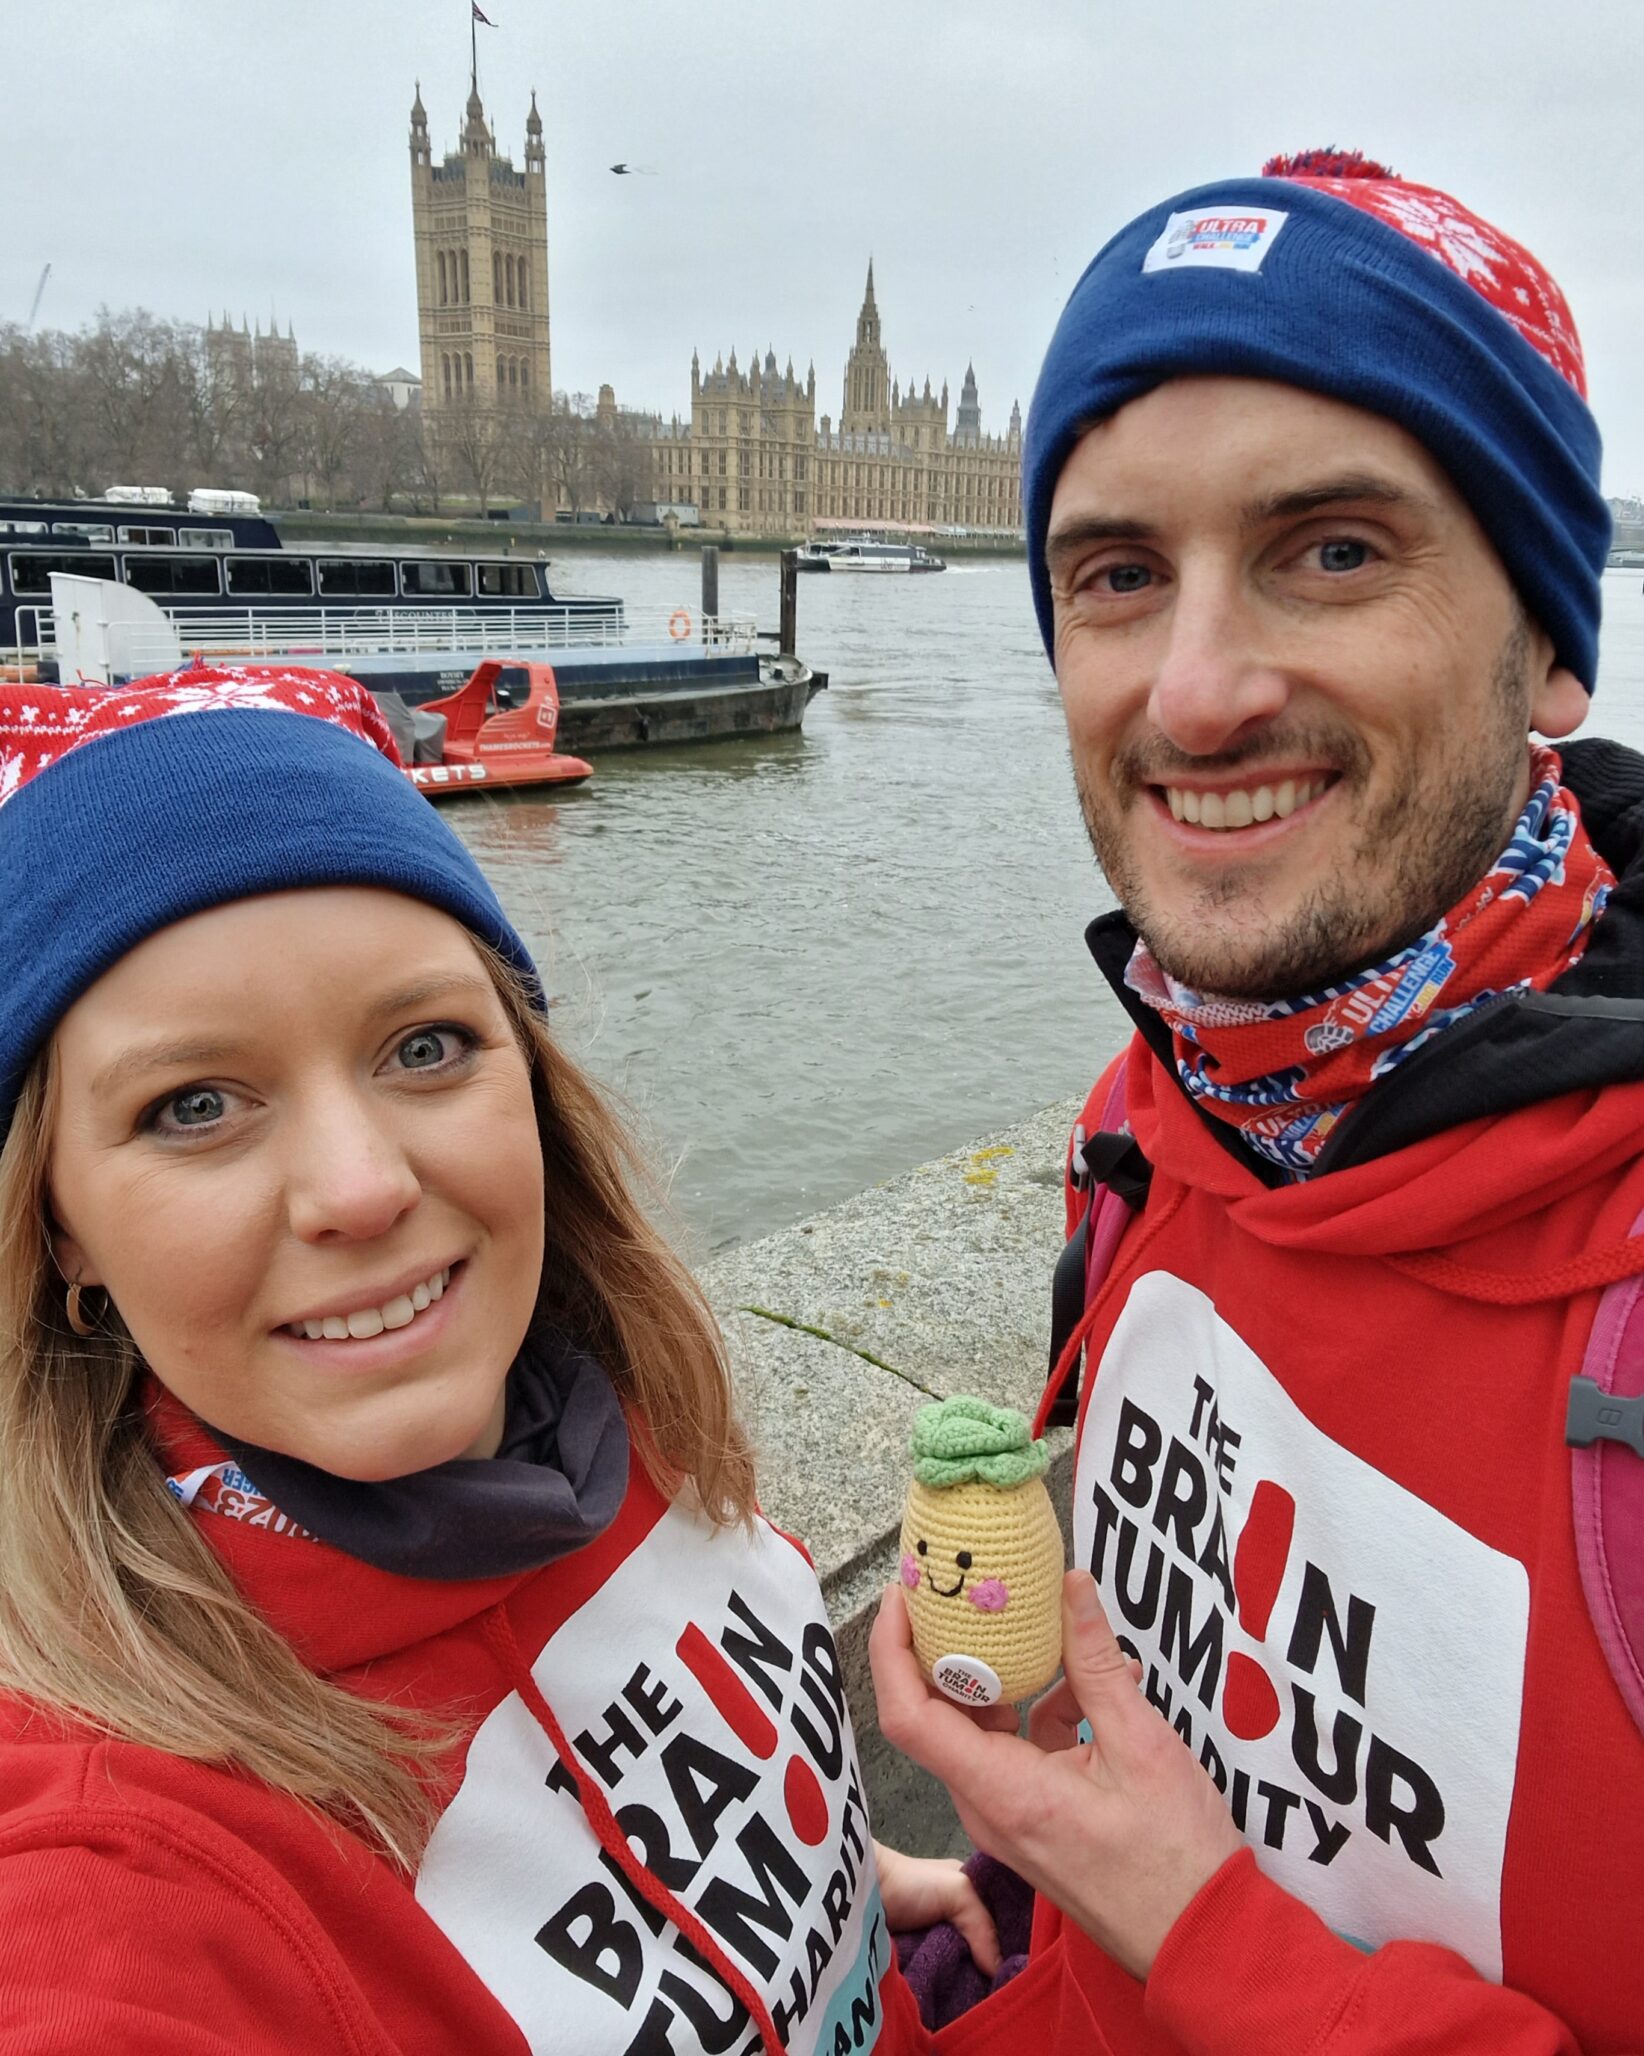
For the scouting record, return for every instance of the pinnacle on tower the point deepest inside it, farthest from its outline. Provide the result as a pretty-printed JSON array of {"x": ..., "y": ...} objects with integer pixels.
[
  {"x": 419, "y": 113},
  {"x": 533, "y": 121}
]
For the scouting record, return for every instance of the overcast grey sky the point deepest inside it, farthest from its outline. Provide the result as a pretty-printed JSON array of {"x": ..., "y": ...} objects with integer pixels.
[{"x": 187, "y": 155}]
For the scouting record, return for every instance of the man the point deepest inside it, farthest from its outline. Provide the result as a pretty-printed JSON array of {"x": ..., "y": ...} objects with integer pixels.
[{"x": 1315, "y": 539}]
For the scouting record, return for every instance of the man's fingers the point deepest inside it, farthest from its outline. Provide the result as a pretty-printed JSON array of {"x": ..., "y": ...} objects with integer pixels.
[
  {"x": 1101, "y": 1678},
  {"x": 942, "y": 1737}
]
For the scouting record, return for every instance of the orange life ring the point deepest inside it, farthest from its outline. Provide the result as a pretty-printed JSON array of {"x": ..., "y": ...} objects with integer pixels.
[{"x": 679, "y": 624}]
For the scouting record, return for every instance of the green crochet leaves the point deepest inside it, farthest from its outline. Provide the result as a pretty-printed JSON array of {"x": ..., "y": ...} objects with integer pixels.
[{"x": 965, "y": 1441}]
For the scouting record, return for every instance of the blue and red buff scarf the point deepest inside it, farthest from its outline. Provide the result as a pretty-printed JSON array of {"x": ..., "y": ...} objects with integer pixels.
[{"x": 1283, "y": 1072}]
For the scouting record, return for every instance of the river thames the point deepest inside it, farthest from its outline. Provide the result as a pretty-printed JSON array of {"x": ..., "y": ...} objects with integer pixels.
[{"x": 811, "y": 962}]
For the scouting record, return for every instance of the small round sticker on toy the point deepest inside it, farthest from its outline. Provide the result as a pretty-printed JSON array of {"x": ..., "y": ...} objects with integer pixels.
[{"x": 967, "y": 1679}]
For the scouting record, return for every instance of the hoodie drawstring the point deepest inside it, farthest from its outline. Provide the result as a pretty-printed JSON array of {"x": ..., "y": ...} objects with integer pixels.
[{"x": 499, "y": 1633}]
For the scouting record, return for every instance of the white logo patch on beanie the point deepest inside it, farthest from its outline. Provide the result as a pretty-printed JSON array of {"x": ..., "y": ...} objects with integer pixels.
[{"x": 1232, "y": 238}]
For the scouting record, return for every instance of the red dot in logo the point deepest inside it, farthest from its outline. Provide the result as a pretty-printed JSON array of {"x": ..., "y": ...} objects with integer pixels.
[
  {"x": 807, "y": 1808},
  {"x": 1250, "y": 1706}
]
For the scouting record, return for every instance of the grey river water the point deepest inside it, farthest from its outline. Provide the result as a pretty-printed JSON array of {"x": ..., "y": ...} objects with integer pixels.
[{"x": 812, "y": 962}]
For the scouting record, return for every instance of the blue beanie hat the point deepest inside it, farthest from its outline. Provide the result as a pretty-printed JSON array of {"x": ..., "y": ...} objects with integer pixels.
[
  {"x": 1330, "y": 274},
  {"x": 122, "y": 812}
]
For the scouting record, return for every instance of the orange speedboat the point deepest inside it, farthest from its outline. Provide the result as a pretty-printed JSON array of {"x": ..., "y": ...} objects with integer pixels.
[{"x": 499, "y": 732}]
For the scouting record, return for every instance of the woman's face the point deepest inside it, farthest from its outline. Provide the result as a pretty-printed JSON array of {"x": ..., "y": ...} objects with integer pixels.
[{"x": 295, "y": 1142}]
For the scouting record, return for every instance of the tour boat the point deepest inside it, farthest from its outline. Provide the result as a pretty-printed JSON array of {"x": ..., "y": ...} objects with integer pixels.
[
  {"x": 498, "y": 731},
  {"x": 213, "y": 557},
  {"x": 861, "y": 553}
]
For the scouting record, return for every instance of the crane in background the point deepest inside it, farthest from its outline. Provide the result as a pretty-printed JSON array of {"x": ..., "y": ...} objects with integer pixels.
[{"x": 39, "y": 295}]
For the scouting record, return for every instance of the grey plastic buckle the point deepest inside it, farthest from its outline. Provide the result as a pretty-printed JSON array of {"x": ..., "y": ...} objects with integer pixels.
[
  {"x": 1594, "y": 1415},
  {"x": 1078, "y": 1170}
]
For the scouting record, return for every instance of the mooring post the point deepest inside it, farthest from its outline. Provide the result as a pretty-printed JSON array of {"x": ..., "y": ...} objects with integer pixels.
[
  {"x": 710, "y": 587},
  {"x": 788, "y": 626}
]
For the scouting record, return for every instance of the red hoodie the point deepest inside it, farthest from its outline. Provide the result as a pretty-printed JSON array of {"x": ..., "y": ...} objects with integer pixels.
[
  {"x": 1323, "y": 1486},
  {"x": 149, "y": 1904}
]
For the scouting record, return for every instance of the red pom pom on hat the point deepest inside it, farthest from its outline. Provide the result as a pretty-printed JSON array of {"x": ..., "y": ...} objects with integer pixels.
[
  {"x": 1498, "y": 269},
  {"x": 1329, "y": 163}
]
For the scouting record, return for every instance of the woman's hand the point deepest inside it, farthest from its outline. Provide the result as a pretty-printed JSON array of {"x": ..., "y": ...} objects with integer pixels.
[
  {"x": 919, "y": 1891},
  {"x": 1120, "y": 1832}
]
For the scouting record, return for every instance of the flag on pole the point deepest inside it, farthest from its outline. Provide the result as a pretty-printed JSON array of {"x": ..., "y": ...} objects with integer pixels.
[{"x": 479, "y": 17}]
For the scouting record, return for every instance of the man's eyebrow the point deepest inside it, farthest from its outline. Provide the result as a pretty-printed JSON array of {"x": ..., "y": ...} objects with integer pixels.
[
  {"x": 1332, "y": 492},
  {"x": 182, "y": 1053},
  {"x": 1081, "y": 530}
]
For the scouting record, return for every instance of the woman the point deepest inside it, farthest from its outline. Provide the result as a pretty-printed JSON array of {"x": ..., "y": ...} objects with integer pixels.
[{"x": 393, "y": 1658}]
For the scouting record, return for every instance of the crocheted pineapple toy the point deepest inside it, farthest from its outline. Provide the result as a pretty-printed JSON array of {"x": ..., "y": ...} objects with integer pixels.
[{"x": 981, "y": 1554}]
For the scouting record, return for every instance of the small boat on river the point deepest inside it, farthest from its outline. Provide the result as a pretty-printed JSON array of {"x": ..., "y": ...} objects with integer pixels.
[
  {"x": 498, "y": 732},
  {"x": 863, "y": 553}
]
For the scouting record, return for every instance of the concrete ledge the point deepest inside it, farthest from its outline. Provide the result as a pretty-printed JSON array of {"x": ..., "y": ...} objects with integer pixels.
[{"x": 841, "y": 1328}]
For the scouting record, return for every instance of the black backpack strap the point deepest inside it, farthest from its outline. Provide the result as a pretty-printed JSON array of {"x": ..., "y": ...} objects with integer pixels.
[{"x": 1116, "y": 1162}]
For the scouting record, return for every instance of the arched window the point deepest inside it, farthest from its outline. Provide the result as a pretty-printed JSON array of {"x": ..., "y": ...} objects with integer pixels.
[
  {"x": 439, "y": 259},
  {"x": 496, "y": 277},
  {"x": 502, "y": 373},
  {"x": 525, "y": 372},
  {"x": 445, "y": 362},
  {"x": 466, "y": 296},
  {"x": 513, "y": 371},
  {"x": 508, "y": 279},
  {"x": 469, "y": 365},
  {"x": 524, "y": 283}
]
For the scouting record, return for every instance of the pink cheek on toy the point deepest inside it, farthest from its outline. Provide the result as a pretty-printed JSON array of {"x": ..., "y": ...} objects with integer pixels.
[
  {"x": 910, "y": 1571},
  {"x": 992, "y": 1595}
]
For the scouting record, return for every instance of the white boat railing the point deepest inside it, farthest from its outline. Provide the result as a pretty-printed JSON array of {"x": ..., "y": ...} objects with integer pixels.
[{"x": 331, "y": 635}]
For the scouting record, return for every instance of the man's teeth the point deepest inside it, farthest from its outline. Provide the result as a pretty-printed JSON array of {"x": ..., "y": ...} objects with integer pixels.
[
  {"x": 372, "y": 1320},
  {"x": 1239, "y": 809}
]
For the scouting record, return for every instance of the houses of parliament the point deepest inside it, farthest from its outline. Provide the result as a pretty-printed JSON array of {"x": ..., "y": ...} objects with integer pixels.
[{"x": 753, "y": 457}]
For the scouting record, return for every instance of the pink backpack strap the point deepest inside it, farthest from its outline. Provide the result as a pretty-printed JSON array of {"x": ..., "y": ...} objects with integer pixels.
[{"x": 1604, "y": 1426}]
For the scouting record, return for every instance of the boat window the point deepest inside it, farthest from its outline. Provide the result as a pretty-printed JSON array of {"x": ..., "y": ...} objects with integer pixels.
[
  {"x": 250, "y": 577},
  {"x": 207, "y": 538},
  {"x": 436, "y": 578},
  {"x": 165, "y": 537},
  {"x": 165, "y": 575},
  {"x": 22, "y": 528},
  {"x": 31, "y": 569},
  {"x": 508, "y": 581},
  {"x": 93, "y": 531},
  {"x": 344, "y": 578}
]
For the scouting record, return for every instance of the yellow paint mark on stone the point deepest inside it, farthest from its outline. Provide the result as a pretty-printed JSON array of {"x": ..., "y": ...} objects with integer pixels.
[
  {"x": 981, "y": 1177},
  {"x": 988, "y": 1156}
]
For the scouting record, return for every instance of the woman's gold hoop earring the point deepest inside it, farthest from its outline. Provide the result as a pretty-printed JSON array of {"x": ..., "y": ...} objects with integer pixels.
[{"x": 76, "y": 1316}]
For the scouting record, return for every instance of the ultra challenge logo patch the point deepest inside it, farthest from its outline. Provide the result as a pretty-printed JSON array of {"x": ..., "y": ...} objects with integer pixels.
[{"x": 1346, "y": 1662}]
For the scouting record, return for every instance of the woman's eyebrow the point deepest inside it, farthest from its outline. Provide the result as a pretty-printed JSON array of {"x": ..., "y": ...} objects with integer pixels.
[
  {"x": 182, "y": 1053},
  {"x": 158, "y": 1056}
]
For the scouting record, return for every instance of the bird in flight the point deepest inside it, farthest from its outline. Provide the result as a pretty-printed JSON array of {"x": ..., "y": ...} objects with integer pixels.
[{"x": 626, "y": 170}]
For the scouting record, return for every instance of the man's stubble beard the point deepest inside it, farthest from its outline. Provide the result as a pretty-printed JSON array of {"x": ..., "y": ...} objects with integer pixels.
[{"x": 1428, "y": 843}]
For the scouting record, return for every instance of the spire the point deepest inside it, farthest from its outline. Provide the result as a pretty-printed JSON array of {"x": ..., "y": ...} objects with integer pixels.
[
  {"x": 868, "y": 297},
  {"x": 419, "y": 113},
  {"x": 533, "y": 121}
]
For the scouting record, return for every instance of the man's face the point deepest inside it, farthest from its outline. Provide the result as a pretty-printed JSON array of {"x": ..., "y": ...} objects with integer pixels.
[{"x": 1297, "y": 681}]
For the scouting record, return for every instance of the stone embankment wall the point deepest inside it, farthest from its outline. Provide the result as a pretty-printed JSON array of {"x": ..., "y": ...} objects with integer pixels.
[{"x": 840, "y": 1329}]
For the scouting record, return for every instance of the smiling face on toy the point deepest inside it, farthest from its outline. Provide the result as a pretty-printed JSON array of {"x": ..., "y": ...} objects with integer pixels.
[{"x": 929, "y": 1564}]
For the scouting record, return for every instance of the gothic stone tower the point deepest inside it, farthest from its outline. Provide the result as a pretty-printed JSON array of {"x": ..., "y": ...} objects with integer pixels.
[
  {"x": 867, "y": 372},
  {"x": 481, "y": 231}
]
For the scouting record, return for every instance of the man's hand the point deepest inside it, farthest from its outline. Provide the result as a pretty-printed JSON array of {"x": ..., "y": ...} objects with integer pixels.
[
  {"x": 1120, "y": 1832},
  {"x": 919, "y": 1891}
]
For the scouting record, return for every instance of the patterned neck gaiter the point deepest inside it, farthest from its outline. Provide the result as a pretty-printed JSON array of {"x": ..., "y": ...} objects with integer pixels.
[{"x": 1283, "y": 1072}]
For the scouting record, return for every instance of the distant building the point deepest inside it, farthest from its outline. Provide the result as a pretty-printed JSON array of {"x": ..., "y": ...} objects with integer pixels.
[
  {"x": 403, "y": 387},
  {"x": 481, "y": 231},
  {"x": 752, "y": 456},
  {"x": 757, "y": 461},
  {"x": 241, "y": 356}
]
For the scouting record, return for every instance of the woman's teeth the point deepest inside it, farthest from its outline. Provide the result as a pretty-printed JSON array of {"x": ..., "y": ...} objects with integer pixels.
[
  {"x": 372, "y": 1320},
  {"x": 1239, "y": 809}
]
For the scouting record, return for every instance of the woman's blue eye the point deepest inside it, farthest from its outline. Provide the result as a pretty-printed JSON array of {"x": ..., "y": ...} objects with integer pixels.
[
  {"x": 1343, "y": 554},
  {"x": 196, "y": 1108},
  {"x": 428, "y": 1048}
]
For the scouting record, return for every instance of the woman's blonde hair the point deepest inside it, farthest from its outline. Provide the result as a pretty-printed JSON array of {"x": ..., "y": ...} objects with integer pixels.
[{"x": 114, "y": 1611}]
